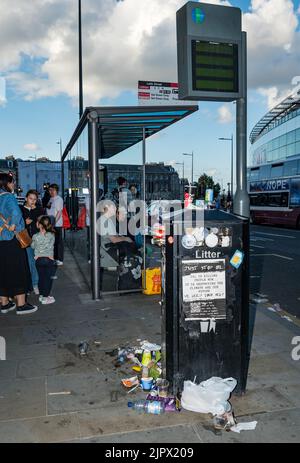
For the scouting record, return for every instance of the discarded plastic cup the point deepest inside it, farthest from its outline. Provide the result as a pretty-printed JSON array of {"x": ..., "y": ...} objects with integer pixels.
[
  {"x": 147, "y": 384},
  {"x": 83, "y": 348},
  {"x": 162, "y": 386}
]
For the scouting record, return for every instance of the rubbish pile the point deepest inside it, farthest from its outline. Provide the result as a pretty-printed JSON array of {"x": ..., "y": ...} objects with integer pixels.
[
  {"x": 146, "y": 364},
  {"x": 208, "y": 397}
]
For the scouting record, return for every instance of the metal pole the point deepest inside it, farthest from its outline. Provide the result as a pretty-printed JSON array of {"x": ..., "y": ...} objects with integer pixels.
[
  {"x": 192, "y": 167},
  {"x": 62, "y": 170},
  {"x": 232, "y": 167},
  {"x": 80, "y": 61},
  {"x": 144, "y": 200},
  {"x": 241, "y": 204},
  {"x": 94, "y": 147}
]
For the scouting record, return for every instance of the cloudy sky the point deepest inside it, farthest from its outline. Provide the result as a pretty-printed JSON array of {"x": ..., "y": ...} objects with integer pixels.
[{"x": 123, "y": 42}]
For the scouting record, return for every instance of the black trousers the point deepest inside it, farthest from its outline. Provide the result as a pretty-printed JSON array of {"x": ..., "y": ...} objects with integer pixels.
[
  {"x": 59, "y": 244},
  {"x": 46, "y": 269}
]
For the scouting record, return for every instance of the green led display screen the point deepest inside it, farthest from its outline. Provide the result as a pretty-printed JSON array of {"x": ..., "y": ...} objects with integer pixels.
[{"x": 215, "y": 66}]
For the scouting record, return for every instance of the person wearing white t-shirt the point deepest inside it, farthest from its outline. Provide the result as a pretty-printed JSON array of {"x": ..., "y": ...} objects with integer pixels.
[{"x": 55, "y": 210}]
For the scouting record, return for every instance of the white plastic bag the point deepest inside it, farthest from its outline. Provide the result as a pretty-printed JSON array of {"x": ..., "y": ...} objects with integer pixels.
[{"x": 210, "y": 396}]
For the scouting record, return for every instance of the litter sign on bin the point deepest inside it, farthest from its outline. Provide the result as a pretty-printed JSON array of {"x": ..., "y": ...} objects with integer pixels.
[{"x": 204, "y": 289}]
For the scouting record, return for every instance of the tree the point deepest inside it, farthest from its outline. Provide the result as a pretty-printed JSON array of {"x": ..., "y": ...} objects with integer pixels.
[{"x": 206, "y": 182}]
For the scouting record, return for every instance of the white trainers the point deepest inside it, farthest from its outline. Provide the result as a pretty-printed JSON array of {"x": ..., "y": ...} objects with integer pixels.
[
  {"x": 59, "y": 263},
  {"x": 47, "y": 300}
]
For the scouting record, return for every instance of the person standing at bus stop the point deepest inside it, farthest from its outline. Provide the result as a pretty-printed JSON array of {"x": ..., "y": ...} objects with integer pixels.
[
  {"x": 55, "y": 210},
  {"x": 14, "y": 270},
  {"x": 31, "y": 211}
]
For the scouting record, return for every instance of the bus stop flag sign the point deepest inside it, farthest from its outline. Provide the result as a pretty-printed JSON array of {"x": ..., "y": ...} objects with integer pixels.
[{"x": 209, "y": 41}]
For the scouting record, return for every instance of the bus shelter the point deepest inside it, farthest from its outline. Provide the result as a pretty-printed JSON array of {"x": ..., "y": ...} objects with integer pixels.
[{"x": 102, "y": 133}]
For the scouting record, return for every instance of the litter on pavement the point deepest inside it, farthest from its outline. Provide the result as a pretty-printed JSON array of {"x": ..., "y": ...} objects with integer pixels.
[{"x": 244, "y": 427}]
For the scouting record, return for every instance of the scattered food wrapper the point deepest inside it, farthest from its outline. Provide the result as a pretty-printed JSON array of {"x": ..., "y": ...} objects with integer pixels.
[
  {"x": 272, "y": 309},
  {"x": 130, "y": 382},
  {"x": 244, "y": 427},
  {"x": 287, "y": 318},
  {"x": 137, "y": 369},
  {"x": 149, "y": 346}
]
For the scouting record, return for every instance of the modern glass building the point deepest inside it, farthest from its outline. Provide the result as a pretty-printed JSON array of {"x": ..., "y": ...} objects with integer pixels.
[
  {"x": 276, "y": 137},
  {"x": 274, "y": 165}
]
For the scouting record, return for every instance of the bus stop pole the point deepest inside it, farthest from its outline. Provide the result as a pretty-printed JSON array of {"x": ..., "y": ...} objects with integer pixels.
[
  {"x": 94, "y": 170},
  {"x": 144, "y": 207},
  {"x": 241, "y": 205}
]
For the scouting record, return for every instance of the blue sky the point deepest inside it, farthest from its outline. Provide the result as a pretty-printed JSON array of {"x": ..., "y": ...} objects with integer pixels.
[{"x": 41, "y": 99}]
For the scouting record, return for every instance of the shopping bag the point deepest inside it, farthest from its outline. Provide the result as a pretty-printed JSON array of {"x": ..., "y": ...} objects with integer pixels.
[{"x": 210, "y": 396}]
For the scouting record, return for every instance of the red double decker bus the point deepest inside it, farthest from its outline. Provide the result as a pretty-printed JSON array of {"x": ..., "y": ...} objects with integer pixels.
[{"x": 275, "y": 200}]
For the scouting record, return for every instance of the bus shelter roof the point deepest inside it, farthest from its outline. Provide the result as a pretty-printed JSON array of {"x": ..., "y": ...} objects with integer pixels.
[{"x": 121, "y": 127}]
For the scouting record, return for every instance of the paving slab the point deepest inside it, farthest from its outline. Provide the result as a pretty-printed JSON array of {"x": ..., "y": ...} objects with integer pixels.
[
  {"x": 40, "y": 430},
  {"x": 22, "y": 398},
  {"x": 174, "y": 434},
  {"x": 271, "y": 370},
  {"x": 291, "y": 392},
  {"x": 274, "y": 427},
  {"x": 119, "y": 419},
  {"x": 260, "y": 400},
  {"x": 8, "y": 369},
  {"x": 87, "y": 391}
]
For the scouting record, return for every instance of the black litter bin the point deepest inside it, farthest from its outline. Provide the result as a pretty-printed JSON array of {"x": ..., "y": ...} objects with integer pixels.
[{"x": 205, "y": 299}]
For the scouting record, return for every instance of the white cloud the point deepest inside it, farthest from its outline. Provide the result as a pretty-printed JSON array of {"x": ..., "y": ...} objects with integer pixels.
[
  {"x": 2, "y": 92},
  {"x": 31, "y": 147},
  {"x": 128, "y": 40},
  {"x": 225, "y": 115},
  {"x": 273, "y": 95},
  {"x": 273, "y": 47},
  {"x": 212, "y": 172}
]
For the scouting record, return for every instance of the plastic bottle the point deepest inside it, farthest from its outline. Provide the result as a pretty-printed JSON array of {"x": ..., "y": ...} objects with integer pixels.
[{"x": 147, "y": 406}]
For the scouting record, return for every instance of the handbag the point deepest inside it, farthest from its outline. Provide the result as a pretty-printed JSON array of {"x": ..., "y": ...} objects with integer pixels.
[{"x": 22, "y": 236}]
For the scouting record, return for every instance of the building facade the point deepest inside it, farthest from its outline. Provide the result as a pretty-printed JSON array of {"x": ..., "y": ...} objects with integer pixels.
[
  {"x": 275, "y": 142},
  {"x": 33, "y": 175},
  {"x": 162, "y": 182}
]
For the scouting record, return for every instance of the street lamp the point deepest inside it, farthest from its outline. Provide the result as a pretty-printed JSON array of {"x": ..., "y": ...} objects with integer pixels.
[
  {"x": 192, "y": 155},
  {"x": 230, "y": 139},
  {"x": 80, "y": 60}
]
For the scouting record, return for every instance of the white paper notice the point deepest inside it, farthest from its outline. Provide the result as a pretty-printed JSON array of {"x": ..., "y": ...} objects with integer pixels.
[{"x": 207, "y": 284}]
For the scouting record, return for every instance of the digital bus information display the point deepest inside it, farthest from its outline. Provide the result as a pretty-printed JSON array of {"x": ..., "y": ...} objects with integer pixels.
[{"x": 215, "y": 66}]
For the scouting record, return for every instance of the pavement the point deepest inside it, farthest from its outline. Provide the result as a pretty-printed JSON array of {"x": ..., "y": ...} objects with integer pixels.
[{"x": 49, "y": 393}]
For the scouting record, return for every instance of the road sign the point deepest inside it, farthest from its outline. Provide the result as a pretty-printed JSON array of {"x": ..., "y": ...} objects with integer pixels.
[
  {"x": 209, "y": 39},
  {"x": 158, "y": 93}
]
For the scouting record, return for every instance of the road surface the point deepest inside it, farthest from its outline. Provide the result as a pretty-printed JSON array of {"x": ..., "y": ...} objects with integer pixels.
[{"x": 275, "y": 265}]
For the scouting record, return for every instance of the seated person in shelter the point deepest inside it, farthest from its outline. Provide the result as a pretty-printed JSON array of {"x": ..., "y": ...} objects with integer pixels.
[{"x": 106, "y": 227}]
